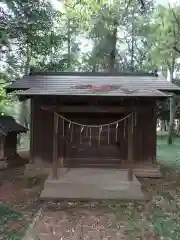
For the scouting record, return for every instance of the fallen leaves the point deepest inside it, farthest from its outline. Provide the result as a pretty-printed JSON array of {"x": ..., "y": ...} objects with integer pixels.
[{"x": 153, "y": 220}]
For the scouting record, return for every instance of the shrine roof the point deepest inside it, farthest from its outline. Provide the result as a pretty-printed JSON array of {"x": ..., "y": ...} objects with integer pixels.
[
  {"x": 117, "y": 84},
  {"x": 8, "y": 124}
]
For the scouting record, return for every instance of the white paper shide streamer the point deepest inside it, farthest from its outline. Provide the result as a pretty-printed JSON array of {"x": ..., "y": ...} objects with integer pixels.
[
  {"x": 82, "y": 128},
  {"x": 87, "y": 129},
  {"x": 99, "y": 138},
  {"x": 117, "y": 125}
]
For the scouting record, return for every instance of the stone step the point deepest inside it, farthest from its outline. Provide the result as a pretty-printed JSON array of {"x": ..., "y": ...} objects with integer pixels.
[
  {"x": 91, "y": 165},
  {"x": 154, "y": 173},
  {"x": 87, "y": 192},
  {"x": 92, "y": 160},
  {"x": 93, "y": 184},
  {"x": 151, "y": 173}
]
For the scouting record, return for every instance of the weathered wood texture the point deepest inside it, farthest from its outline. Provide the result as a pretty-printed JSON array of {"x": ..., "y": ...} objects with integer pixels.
[
  {"x": 32, "y": 129},
  {"x": 10, "y": 146},
  {"x": 130, "y": 145},
  {"x": 78, "y": 151},
  {"x": 42, "y": 133},
  {"x": 55, "y": 146},
  {"x": 1, "y": 148}
]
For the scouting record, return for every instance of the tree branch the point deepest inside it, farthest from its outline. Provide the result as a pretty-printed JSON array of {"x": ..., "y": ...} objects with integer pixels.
[
  {"x": 177, "y": 21},
  {"x": 142, "y": 4},
  {"x": 176, "y": 49}
]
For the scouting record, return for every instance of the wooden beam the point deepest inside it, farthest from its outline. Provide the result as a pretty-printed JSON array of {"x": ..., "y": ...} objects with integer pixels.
[
  {"x": 92, "y": 109},
  {"x": 130, "y": 148},
  {"x": 55, "y": 148}
]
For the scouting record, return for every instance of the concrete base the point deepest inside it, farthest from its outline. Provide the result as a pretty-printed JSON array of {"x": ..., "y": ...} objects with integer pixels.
[
  {"x": 140, "y": 170},
  {"x": 92, "y": 183}
]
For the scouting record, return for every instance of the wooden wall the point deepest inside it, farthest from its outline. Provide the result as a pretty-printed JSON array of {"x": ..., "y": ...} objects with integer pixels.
[
  {"x": 144, "y": 136},
  {"x": 42, "y": 132}
]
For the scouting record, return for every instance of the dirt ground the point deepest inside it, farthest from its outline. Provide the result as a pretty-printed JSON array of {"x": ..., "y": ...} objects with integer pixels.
[
  {"x": 151, "y": 220},
  {"x": 157, "y": 218}
]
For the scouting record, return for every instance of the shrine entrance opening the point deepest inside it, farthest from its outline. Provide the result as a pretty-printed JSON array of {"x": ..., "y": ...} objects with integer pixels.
[
  {"x": 92, "y": 137},
  {"x": 93, "y": 146},
  {"x": 95, "y": 139}
]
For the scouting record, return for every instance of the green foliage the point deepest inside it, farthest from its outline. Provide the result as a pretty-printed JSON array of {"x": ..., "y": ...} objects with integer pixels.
[
  {"x": 165, "y": 35},
  {"x": 31, "y": 30},
  {"x": 35, "y": 35},
  {"x": 6, "y": 103},
  {"x": 168, "y": 155},
  {"x": 49, "y": 36}
]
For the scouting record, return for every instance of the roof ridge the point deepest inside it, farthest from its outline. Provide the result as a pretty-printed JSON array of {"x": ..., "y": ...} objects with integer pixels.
[{"x": 118, "y": 74}]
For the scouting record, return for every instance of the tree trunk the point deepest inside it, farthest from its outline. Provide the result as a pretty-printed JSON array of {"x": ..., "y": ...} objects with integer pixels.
[
  {"x": 94, "y": 68},
  {"x": 132, "y": 43},
  {"x": 24, "y": 106},
  {"x": 69, "y": 44},
  {"x": 162, "y": 125},
  {"x": 172, "y": 110},
  {"x": 172, "y": 106},
  {"x": 113, "y": 37},
  {"x": 178, "y": 127},
  {"x": 166, "y": 126}
]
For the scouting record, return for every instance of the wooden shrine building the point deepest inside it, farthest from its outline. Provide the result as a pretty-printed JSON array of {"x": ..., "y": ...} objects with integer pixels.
[
  {"x": 9, "y": 129},
  {"x": 93, "y": 119}
]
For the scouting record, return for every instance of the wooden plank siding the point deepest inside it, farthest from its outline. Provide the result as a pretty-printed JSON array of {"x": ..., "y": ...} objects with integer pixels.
[
  {"x": 114, "y": 154},
  {"x": 42, "y": 139}
]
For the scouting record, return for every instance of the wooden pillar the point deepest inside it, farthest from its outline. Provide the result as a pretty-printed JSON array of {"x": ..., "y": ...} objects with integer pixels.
[
  {"x": 32, "y": 131},
  {"x": 55, "y": 148},
  {"x": 61, "y": 143},
  {"x": 154, "y": 137},
  {"x": 2, "y": 148},
  {"x": 130, "y": 147},
  {"x": 61, "y": 156}
]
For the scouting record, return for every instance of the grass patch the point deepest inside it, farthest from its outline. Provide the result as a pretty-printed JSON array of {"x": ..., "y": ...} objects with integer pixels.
[
  {"x": 168, "y": 154},
  {"x": 165, "y": 212},
  {"x": 168, "y": 157},
  {"x": 166, "y": 223},
  {"x": 159, "y": 217},
  {"x": 12, "y": 224}
]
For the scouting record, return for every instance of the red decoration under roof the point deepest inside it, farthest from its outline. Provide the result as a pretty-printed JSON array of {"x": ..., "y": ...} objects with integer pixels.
[{"x": 101, "y": 88}]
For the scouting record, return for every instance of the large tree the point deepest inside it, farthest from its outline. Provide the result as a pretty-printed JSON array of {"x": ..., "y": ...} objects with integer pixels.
[
  {"x": 165, "y": 36},
  {"x": 29, "y": 35}
]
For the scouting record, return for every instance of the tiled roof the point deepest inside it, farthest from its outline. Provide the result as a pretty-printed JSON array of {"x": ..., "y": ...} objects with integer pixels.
[
  {"x": 8, "y": 124},
  {"x": 138, "y": 85}
]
